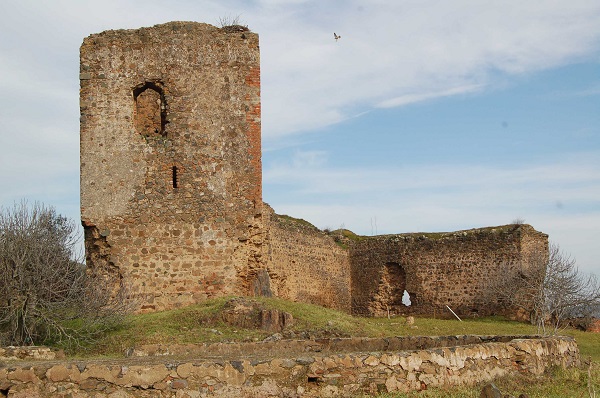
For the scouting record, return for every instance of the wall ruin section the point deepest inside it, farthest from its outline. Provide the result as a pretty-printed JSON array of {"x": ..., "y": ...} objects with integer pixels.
[
  {"x": 305, "y": 264},
  {"x": 456, "y": 269}
]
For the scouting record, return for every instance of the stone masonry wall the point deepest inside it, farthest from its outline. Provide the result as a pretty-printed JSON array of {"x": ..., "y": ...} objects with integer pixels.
[
  {"x": 439, "y": 362},
  {"x": 171, "y": 192},
  {"x": 454, "y": 269},
  {"x": 170, "y": 160},
  {"x": 305, "y": 264}
]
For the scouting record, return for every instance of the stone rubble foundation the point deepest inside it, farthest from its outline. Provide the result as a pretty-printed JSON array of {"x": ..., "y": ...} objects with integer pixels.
[{"x": 319, "y": 368}]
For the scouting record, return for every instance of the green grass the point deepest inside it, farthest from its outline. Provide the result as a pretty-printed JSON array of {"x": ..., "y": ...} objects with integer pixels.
[
  {"x": 293, "y": 220},
  {"x": 200, "y": 323},
  {"x": 312, "y": 316},
  {"x": 193, "y": 324},
  {"x": 559, "y": 383}
]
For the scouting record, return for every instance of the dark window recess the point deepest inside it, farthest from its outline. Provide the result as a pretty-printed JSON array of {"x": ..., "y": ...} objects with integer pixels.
[
  {"x": 150, "y": 110},
  {"x": 393, "y": 284},
  {"x": 175, "y": 177}
]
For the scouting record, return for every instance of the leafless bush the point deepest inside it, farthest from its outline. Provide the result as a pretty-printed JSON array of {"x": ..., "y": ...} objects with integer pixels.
[
  {"x": 46, "y": 293},
  {"x": 550, "y": 287},
  {"x": 232, "y": 24},
  {"x": 518, "y": 221}
]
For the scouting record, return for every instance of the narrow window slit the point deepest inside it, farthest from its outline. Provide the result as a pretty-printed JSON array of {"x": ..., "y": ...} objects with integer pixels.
[{"x": 175, "y": 182}]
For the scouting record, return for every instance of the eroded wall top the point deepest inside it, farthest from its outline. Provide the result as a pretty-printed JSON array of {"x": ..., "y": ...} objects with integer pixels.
[{"x": 457, "y": 269}]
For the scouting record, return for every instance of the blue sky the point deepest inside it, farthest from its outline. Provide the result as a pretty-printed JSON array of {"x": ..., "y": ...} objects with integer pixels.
[{"x": 426, "y": 115}]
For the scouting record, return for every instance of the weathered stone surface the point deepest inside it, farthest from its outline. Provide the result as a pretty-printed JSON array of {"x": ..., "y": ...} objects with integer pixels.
[
  {"x": 593, "y": 326},
  {"x": 371, "y": 361},
  {"x": 490, "y": 391},
  {"x": 30, "y": 353},
  {"x": 312, "y": 374},
  {"x": 142, "y": 376},
  {"x": 306, "y": 264},
  {"x": 25, "y": 392},
  {"x": 23, "y": 375},
  {"x": 246, "y": 313},
  {"x": 170, "y": 160},
  {"x": 58, "y": 373},
  {"x": 455, "y": 269},
  {"x": 179, "y": 384},
  {"x": 171, "y": 193},
  {"x": 275, "y": 321}
]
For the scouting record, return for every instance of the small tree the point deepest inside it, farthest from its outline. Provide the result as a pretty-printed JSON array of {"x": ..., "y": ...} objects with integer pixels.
[
  {"x": 550, "y": 287},
  {"x": 567, "y": 293},
  {"x": 46, "y": 293}
]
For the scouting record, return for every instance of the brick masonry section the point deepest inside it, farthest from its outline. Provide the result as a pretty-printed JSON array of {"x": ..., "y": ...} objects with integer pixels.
[{"x": 331, "y": 372}]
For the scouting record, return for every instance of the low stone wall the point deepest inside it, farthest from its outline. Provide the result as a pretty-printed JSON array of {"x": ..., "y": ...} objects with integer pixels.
[
  {"x": 30, "y": 353},
  {"x": 331, "y": 372}
]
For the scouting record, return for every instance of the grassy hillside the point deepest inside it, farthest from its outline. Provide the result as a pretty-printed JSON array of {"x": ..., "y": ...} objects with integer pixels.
[{"x": 201, "y": 323}]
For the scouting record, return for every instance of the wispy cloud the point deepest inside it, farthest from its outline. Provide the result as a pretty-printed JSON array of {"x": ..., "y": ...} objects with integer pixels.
[
  {"x": 412, "y": 98},
  {"x": 575, "y": 171},
  {"x": 396, "y": 53},
  {"x": 558, "y": 197}
]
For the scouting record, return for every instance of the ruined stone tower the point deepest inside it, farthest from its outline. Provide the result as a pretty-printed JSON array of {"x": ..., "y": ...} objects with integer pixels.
[{"x": 170, "y": 160}]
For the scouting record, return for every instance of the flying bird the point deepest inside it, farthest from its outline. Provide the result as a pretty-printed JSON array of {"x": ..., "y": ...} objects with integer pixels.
[{"x": 336, "y": 37}]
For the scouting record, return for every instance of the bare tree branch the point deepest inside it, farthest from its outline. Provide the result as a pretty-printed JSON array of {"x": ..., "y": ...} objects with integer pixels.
[
  {"x": 46, "y": 293},
  {"x": 550, "y": 288}
]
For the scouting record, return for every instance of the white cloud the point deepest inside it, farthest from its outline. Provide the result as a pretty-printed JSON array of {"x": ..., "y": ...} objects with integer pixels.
[
  {"x": 394, "y": 53},
  {"x": 424, "y": 96},
  {"x": 568, "y": 175},
  {"x": 391, "y": 52}
]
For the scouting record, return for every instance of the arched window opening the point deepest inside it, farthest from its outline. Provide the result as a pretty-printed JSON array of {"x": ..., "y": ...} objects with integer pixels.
[
  {"x": 175, "y": 177},
  {"x": 394, "y": 283},
  {"x": 150, "y": 110},
  {"x": 390, "y": 296}
]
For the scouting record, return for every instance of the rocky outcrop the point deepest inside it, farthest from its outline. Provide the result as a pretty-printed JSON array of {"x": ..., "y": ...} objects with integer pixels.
[{"x": 250, "y": 314}]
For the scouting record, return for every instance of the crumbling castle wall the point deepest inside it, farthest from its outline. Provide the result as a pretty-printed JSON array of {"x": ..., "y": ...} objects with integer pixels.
[
  {"x": 456, "y": 269},
  {"x": 171, "y": 193},
  {"x": 305, "y": 264},
  {"x": 171, "y": 160}
]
